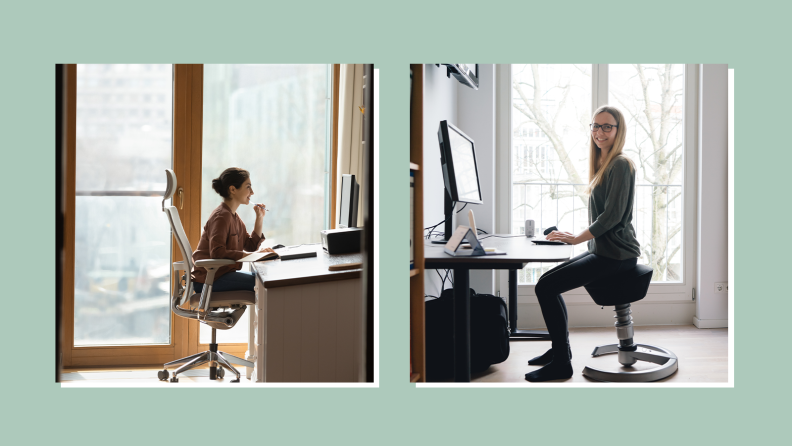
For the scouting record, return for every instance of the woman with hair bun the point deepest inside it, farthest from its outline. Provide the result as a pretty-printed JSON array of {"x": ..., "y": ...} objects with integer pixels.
[
  {"x": 612, "y": 246},
  {"x": 225, "y": 236}
]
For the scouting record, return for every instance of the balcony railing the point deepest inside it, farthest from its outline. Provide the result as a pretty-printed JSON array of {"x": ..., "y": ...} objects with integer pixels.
[{"x": 565, "y": 205}]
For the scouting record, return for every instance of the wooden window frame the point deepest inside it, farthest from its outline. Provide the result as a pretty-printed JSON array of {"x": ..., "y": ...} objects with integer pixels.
[
  {"x": 187, "y": 163},
  {"x": 187, "y": 166}
]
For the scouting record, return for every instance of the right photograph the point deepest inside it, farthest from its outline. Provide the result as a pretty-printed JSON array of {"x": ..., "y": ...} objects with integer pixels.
[{"x": 569, "y": 223}]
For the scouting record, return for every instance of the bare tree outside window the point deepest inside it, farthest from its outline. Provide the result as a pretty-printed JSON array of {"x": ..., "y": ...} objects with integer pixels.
[
  {"x": 550, "y": 150},
  {"x": 652, "y": 100}
]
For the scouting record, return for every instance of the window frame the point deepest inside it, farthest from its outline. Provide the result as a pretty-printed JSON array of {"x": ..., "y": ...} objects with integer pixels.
[
  {"x": 658, "y": 291},
  {"x": 125, "y": 355},
  {"x": 187, "y": 140}
]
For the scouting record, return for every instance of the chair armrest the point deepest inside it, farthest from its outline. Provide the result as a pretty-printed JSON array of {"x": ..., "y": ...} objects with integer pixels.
[
  {"x": 209, "y": 263},
  {"x": 179, "y": 266},
  {"x": 211, "y": 266}
]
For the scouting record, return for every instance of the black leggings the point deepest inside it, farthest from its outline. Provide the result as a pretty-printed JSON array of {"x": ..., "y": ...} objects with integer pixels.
[{"x": 577, "y": 272}]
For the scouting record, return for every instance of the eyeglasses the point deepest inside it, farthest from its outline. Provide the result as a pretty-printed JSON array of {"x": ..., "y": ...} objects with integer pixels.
[{"x": 605, "y": 128}]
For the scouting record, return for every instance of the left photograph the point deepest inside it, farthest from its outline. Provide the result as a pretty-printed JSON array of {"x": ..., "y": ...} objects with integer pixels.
[{"x": 215, "y": 224}]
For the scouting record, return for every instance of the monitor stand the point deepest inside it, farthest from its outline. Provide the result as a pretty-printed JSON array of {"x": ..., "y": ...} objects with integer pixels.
[{"x": 448, "y": 211}]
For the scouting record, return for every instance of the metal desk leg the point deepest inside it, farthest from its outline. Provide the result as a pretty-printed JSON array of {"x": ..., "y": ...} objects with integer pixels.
[
  {"x": 515, "y": 333},
  {"x": 461, "y": 325}
]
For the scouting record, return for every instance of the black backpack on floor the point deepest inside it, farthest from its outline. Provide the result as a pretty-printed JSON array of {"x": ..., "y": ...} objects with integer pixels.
[{"x": 489, "y": 334}]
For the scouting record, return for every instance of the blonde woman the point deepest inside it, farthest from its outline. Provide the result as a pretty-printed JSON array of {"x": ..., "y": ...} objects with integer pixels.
[{"x": 612, "y": 246}]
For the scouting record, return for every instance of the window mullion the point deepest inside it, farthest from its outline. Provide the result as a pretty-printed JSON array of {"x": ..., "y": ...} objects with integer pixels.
[{"x": 599, "y": 86}]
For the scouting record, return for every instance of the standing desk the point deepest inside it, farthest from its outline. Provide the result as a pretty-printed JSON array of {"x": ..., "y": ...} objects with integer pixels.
[
  {"x": 308, "y": 323},
  {"x": 519, "y": 252}
]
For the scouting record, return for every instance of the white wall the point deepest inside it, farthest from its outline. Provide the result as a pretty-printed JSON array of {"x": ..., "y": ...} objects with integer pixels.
[
  {"x": 476, "y": 110},
  {"x": 473, "y": 111},
  {"x": 711, "y": 307},
  {"x": 440, "y": 103}
]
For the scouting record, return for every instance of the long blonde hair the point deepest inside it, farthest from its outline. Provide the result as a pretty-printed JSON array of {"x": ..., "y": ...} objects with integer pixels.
[{"x": 597, "y": 168}]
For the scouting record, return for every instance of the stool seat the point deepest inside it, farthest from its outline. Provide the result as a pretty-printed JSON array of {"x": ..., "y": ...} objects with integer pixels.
[
  {"x": 623, "y": 288},
  {"x": 620, "y": 290}
]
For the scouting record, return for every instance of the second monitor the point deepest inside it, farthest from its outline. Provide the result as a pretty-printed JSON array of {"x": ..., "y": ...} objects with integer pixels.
[
  {"x": 350, "y": 190},
  {"x": 346, "y": 238}
]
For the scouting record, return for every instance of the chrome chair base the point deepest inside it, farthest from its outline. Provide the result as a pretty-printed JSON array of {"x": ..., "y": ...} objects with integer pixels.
[
  {"x": 666, "y": 360},
  {"x": 215, "y": 359}
]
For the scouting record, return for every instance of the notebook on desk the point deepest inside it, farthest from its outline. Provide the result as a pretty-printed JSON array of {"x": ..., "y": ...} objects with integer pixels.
[{"x": 286, "y": 253}]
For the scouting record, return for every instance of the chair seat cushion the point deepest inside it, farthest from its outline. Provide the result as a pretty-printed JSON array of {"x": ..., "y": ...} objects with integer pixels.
[
  {"x": 226, "y": 298},
  {"x": 623, "y": 288}
]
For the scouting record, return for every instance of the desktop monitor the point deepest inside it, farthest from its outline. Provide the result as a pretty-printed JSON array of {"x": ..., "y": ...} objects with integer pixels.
[
  {"x": 460, "y": 171},
  {"x": 350, "y": 190}
]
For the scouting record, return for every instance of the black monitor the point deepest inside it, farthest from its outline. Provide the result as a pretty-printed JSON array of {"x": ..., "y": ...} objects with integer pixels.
[
  {"x": 460, "y": 170},
  {"x": 348, "y": 216}
]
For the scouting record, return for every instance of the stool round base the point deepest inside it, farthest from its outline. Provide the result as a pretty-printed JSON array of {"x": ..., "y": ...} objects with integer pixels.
[{"x": 666, "y": 360}]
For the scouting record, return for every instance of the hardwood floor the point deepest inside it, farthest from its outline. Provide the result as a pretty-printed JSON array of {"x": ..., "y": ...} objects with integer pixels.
[
  {"x": 144, "y": 375},
  {"x": 702, "y": 353}
]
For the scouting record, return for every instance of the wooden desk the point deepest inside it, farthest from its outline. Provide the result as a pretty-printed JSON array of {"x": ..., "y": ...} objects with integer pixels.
[
  {"x": 308, "y": 324},
  {"x": 519, "y": 252}
]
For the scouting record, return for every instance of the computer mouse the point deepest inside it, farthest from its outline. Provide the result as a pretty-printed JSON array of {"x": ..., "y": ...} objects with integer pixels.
[{"x": 278, "y": 247}]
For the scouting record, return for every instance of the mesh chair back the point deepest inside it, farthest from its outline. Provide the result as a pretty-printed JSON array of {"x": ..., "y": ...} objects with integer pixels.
[
  {"x": 175, "y": 221},
  {"x": 180, "y": 235}
]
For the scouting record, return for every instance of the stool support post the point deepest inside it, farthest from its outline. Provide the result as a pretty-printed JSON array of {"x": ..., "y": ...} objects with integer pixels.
[
  {"x": 624, "y": 325},
  {"x": 624, "y": 331}
]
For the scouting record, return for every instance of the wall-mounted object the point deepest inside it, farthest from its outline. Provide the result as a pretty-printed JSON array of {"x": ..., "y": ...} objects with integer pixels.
[{"x": 466, "y": 73}]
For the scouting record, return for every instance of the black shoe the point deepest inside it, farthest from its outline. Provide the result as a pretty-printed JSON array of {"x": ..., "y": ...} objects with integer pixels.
[
  {"x": 551, "y": 372},
  {"x": 546, "y": 358}
]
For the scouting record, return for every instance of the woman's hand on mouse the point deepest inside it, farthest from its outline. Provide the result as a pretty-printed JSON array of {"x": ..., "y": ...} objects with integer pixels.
[
  {"x": 565, "y": 237},
  {"x": 570, "y": 238}
]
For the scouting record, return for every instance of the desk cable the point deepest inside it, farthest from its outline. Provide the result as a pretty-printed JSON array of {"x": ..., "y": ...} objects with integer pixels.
[
  {"x": 431, "y": 229},
  {"x": 442, "y": 284},
  {"x": 500, "y": 236}
]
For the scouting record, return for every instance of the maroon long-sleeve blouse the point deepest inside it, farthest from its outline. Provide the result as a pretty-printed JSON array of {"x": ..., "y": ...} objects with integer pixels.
[{"x": 224, "y": 237}]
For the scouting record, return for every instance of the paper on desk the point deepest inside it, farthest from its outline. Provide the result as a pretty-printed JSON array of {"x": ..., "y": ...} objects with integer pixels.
[{"x": 253, "y": 256}]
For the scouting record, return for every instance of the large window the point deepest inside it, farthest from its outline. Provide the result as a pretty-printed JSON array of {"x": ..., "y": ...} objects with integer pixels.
[
  {"x": 652, "y": 97},
  {"x": 122, "y": 241},
  {"x": 551, "y": 107},
  {"x": 274, "y": 121},
  {"x": 125, "y": 125}
]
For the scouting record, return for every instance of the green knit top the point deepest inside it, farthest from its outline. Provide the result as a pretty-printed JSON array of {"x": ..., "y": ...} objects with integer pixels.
[{"x": 611, "y": 212}]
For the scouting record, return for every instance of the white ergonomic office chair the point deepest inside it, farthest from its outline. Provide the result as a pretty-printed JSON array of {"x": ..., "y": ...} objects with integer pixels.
[{"x": 219, "y": 310}]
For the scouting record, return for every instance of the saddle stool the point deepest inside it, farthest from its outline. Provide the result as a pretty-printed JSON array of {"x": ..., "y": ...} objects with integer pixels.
[{"x": 621, "y": 290}]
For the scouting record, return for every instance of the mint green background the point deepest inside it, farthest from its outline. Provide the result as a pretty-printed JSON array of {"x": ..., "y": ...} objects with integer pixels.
[{"x": 747, "y": 35}]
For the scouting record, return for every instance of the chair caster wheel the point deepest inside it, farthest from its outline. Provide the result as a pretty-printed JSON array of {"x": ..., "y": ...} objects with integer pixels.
[
  {"x": 174, "y": 380},
  {"x": 163, "y": 375},
  {"x": 220, "y": 373}
]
